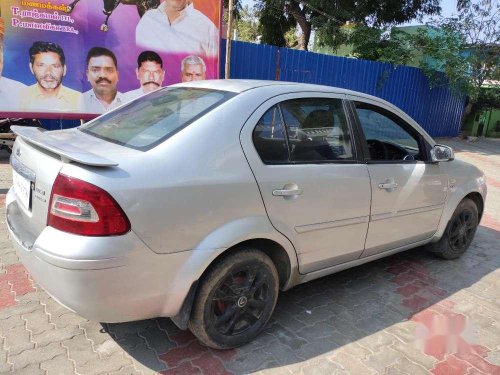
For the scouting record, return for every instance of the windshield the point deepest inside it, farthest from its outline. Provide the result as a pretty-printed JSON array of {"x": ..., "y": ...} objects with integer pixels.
[{"x": 149, "y": 120}]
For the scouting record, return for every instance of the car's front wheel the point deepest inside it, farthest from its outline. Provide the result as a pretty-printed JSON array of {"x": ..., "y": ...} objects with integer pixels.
[
  {"x": 235, "y": 300},
  {"x": 459, "y": 233}
]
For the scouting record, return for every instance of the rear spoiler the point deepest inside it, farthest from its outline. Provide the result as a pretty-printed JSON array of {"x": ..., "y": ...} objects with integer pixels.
[{"x": 68, "y": 153}]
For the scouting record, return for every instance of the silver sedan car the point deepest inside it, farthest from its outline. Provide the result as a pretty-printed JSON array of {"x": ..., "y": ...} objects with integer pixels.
[{"x": 200, "y": 201}]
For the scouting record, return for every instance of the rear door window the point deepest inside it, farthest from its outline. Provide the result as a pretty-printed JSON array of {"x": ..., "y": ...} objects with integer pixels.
[
  {"x": 317, "y": 130},
  {"x": 305, "y": 130},
  {"x": 269, "y": 137}
]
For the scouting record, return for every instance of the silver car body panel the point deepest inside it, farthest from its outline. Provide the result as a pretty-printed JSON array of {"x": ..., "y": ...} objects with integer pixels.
[
  {"x": 464, "y": 179},
  {"x": 408, "y": 213},
  {"x": 123, "y": 280},
  {"x": 195, "y": 196}
]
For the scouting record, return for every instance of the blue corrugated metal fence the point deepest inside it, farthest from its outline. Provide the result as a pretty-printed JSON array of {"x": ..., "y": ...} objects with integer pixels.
[{"x": 438, "y": 110}]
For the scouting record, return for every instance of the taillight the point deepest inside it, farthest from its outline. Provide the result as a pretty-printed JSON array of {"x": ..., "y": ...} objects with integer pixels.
[{"x": 81, "y": 208}]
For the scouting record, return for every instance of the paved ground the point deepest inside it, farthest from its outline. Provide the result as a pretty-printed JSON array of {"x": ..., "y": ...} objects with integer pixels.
[{"x": 406, "y": 314}]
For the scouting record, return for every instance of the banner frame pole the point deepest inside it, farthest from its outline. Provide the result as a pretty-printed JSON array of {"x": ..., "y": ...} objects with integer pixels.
[{"x": 228, "y": 40}]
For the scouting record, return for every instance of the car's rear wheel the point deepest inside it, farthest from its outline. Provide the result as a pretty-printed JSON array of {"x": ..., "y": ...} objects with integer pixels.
[
  {"x": 235, "y": 300},
  {"x": 459, "y": 233}
]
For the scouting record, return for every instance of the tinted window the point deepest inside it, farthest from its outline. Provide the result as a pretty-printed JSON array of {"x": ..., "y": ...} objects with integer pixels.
[
  {"x": 269, "y": 137},
  {"x": 387, "y": 135},
  {"x": 317, "y": 130},
  {"x": 149, "y": 120}
]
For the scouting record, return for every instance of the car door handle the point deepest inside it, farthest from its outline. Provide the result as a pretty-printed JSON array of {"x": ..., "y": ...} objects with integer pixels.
[
  {"x": 287, "y": 192},
  {"x": 388, "y": 185}
]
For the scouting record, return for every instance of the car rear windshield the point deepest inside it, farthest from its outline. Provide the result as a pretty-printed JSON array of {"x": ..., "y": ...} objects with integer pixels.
[{"x": 149, "y": 120}]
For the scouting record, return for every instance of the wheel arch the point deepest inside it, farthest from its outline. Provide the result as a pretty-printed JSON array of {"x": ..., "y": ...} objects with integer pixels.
[
  {"x": 271, "y": 248},
  {"x": 478, "y": 200},
  {"x": 254, "y": 231},
  {"x": 279, "y": 256},
  {"x": 452, "y": 204},
  {"x": 230, "y": 238}
]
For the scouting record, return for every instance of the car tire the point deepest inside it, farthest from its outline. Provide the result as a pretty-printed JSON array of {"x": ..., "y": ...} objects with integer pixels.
[
  {"x": 459, "y": 233},
  {"x": 235, "y": 300}
]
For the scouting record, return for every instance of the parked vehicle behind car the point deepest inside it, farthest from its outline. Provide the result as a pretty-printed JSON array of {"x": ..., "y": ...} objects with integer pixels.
[{"x": 200, "y": 201}]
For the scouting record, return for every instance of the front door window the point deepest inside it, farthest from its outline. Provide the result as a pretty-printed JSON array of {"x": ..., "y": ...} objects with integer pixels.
[{"x": 387, "y": 137}]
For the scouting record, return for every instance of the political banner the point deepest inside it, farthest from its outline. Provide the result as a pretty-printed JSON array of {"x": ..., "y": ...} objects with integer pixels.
[{"x": 81, "y": 58}]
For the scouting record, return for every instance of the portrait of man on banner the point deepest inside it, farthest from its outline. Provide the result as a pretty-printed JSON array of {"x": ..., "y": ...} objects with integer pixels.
[
  {"x": 193, "y": 68},
  {"x": 150, "y": 74},
  {"x": 48, "y": 66},
  {"x": 102, "y": 73},
  {"x": 177, "y": 27}
]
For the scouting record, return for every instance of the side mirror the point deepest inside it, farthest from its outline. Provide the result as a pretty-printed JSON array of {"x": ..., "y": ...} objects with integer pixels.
[{"x": 442, "y": 153}]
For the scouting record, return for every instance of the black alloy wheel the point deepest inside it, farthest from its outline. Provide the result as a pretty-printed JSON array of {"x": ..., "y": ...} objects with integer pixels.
[
  {"x": 235, "y": 299},
  {"x": 239, "y": 301},
  {"x": 461, "y": 230},
  {"x": 459, "y": 233}
]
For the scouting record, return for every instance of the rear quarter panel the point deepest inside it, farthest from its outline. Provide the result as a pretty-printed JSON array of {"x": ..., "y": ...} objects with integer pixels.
[{"x": 180, "y": 192}]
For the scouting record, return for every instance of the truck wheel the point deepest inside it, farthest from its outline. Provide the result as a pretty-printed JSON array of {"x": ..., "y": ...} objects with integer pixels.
[
  {"x": 235, "y": 300},
  {"x": 459, "y": 233}
]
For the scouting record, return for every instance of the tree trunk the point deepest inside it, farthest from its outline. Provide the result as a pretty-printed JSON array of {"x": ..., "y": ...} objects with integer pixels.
[
  {"x": 305, "y": 26},
  {"x": 468, "y": 108}
]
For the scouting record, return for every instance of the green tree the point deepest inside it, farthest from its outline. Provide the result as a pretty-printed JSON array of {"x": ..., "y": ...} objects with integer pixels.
[
  {"x": 380, "y": 44},
  {"x": 247, "y": 25},
  {"x": 327, "y": 17},
  {"x": 464, "y": 52},
  {"x": 274, "y": 24}
]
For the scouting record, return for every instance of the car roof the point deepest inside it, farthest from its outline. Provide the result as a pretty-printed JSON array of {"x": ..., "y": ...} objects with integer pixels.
[{"x": 240, "y": 85}]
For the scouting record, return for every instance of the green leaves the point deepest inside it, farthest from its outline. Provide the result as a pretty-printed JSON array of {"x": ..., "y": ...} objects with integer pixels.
[
  {"x": 326, "y": 17},
  {"x": 465, "y": 49}
]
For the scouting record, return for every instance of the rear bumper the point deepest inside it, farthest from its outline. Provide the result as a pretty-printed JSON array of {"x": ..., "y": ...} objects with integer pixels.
[{"x": 105, "y": 279}]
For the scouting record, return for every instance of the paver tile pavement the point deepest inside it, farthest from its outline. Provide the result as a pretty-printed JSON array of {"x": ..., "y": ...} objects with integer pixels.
[{"x": 406, "y": 314}]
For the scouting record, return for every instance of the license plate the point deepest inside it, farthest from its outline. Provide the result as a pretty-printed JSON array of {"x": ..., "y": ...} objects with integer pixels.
[{"x": 22, "y": 187}]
